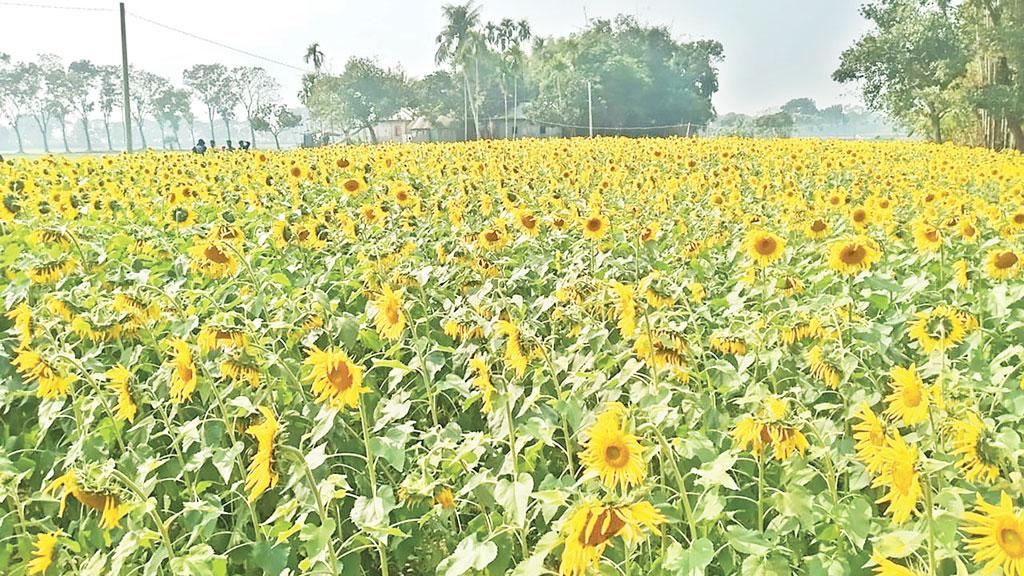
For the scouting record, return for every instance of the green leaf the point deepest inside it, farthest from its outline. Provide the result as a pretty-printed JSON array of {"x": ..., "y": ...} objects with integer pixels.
[
  {"x": 692, "y": 561},
  {"x": 514, "y": 497},
  {"x": 470, "y": 554},
  {"x": 717, "y": 472},
  {"x": 747, "y": 541}
]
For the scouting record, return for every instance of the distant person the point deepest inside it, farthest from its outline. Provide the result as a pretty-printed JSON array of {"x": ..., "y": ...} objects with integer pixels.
[
  {"x": 200, "y": 147},
  {"x": 213, "y": 145},
  {"x": 229, "y": 147},
  {"x": 244, "y": 144}
]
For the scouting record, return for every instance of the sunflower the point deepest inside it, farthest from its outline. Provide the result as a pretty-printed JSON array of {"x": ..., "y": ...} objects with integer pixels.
[
  {"x": 42, "y": 553},
  {"x": 183, "y": 374},
  {"x": 336, "y": 379},
  {"x": 697, "y": 292},
  {"x": 764, "y": 247},
  {"x": 886, "y": 567},
  {"x": 997, "y": 535},
  {"x": 591, "y": 526},
  {"x": 615, "y": 455},
  {"x": 792, "y": 285},
  {"x": 853, "y": 255},
  {"x": 515, "y": 357},
  {"x": 482, "y": 381},
  {"x": 816, "y": 228},
  {"x": 214, "y": 258},
  {"x": 108, "y": 505},
  {"x": 729, "y": 345},
  {"x": 353, "y": 184},
  {"x": 595, "y": 226},
  {"x": 493, "y": 238},
  {"x": 21, "y": 316},
  {"x": 1003, "y": 264},
  {"x": 528, "y": 222},
  {"x": 261, "y": 475},
  {"x": 52, "y": 272},
  {"x": 961, "y": 274},
  {"x": 767, "y": 427},
  {"x": 238, "y": 371},
  {"x": 927, "y": 238},
  {"x": 34, "y": 368},
  {"x": 212, "y": 337},
  {"x": 389, "y": 315},
  {"x": 118, "y": 376},
  {"x": 625, "y": 308},
  {"x": 910, "y": 399},
  {"x": 822, "y": 369},
  {"x": 970, "y": 441},
  {"x": 860, "y": 218},
  {"x": 805, "y": 330},
  {"x": 939, "y": 328},
  {"x": 870, "y": 434},
  {"x": 898, "y": 473}
]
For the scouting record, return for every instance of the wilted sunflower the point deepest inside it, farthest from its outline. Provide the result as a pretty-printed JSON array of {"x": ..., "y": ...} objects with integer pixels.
[
  {"x": 898, "y": 473},
  {"x": 910, "y": 399},
  {"x": 515, "y": 356},
  {"x": 614, "y": 454},
  {"x": 1003, "y": 264},
  {"x": 21, "y": 316},
  {"x": 389, "y": 315},
  {"x": 591, "y": 527},
  {"x": 261, "y": 475},
  {"x": 336, "y": 379},
  {"x": 118, "y": 376},
  {"x": 482, "y": 381},
  {"x": 768, "y": 427},
  {"x": 183, "y": 373},
  {"x": 212, "y": 337},
  {"x": 238, "y": 371},
  {"x": 213, "y": 258},
  {"x": 961, "y": 274},
  {"x": 729, "y": 345},
  {"x": 109, "y": 506},
  {"x": 822, "y": 369},
  {"x": 625, "y": 308},
  {"x": 853, "y": 255},
  {"x": 764, "y": 247},
  {"x": 34, "y": 368},
  {"x": 971, "y": 442},
  {"x": 997, "y": 535},
  {"x": 42, "y": 553},
  {"x": 939, "y": 328},
  {"x": 51, "y": 272}
]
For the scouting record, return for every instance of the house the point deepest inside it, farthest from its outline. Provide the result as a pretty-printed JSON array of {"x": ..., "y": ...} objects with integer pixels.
[
  {"x": 442, "y": 130},
  {"x": 518, "y": 125}
]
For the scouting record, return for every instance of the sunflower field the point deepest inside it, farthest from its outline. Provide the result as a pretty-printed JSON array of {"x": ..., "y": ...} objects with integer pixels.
[{"x": 590, "y": 356}]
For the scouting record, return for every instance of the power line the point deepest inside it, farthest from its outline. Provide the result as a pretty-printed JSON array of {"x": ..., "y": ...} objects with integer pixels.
[
  {"x": 56, "y": 7},
  {"x": 215, "y": 43}
]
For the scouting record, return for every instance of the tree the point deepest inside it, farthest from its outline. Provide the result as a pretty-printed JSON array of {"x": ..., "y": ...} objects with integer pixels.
[
  {"x": 315, "y": 56},
  {"x": 110, "y": 96},
  {"x": 275, "y": 118},
  {"x": 256, "y": 88},
  {"x": 910, "y": 64},
  {"x": 213, "y": 85},
  {"x": 778, "y": 125},
  {"x": 507, "y": 38},
  {"x": 146, "y": 88},
  {"x": 169, "y": 108},
  {"x": 643, "y": 81},
  {"x": 997, "y": 27},
  {"x": 438, "y": 94},
  {"x": 460, "y": 44},
  {"x": 84, "y": 79},
  {"x": 800, "y": 106},
  {"x": 19, "y": 85},
  {"x": 369, "y": 94}
]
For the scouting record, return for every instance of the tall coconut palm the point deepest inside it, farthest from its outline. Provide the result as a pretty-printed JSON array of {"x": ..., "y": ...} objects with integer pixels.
[
  {"x": 315, "y": 56},
  {"x": 457, "y": 44}
]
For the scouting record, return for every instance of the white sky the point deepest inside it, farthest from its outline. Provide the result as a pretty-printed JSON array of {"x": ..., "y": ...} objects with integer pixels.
[{"x": 774, "y": 49}]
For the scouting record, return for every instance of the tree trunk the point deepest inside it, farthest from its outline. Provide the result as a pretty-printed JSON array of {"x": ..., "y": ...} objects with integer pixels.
[
  {"x": 252, "y": 135},
  {"x": 163, "y": 135},
  {"x": 227, "y": 124},
  {"x": 42, "y": 130},
  {"x": 142, "y": 133},
  {"x": 515, "y": 106},
  {"x": 373, "y": 133},
  {"x": 110, "y": 143},
  {"x": 64, "y": 135},
  {"x": 277, "y": 143},
  {"x": 213, "y": 136},
  {"x": 85, "y": 128},
  {"x": 936, "y": 121},
  {"x": 1018, "y": 134},
  {"x": 17, "y": 132}
]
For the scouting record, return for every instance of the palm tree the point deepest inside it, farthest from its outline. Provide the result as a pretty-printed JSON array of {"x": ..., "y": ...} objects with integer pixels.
[
  {"x": 315, "y": 55},
  {"x": 459, "y": 41}
]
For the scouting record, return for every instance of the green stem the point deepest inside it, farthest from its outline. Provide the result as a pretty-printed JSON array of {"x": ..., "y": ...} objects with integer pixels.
[
  {"x": 299, "y": 457},
  {"x": 760, "y": 492},
  {"x": 680, "y": 483},
  {"x": 372, "y": 471},
  {"x": 929, "y": 509},
  {"x": 151, "y": 510}
]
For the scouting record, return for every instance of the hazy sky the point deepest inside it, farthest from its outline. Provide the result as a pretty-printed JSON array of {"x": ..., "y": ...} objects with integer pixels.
[{"x": 774, "y": 49}]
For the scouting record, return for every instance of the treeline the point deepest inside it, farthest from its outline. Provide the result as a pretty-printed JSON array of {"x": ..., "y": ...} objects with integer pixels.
[
  {"x": 53, "y": 98},
  {"x": 633, "y": 79},
  {"x": 802, "y": 117},
  {"x": 953, "y": 70}
]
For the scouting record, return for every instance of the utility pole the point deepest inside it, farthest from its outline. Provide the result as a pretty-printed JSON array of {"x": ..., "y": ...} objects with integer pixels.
[
  {"x": 590, "y": 108},
  {"x": 126, "y": 106}
]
